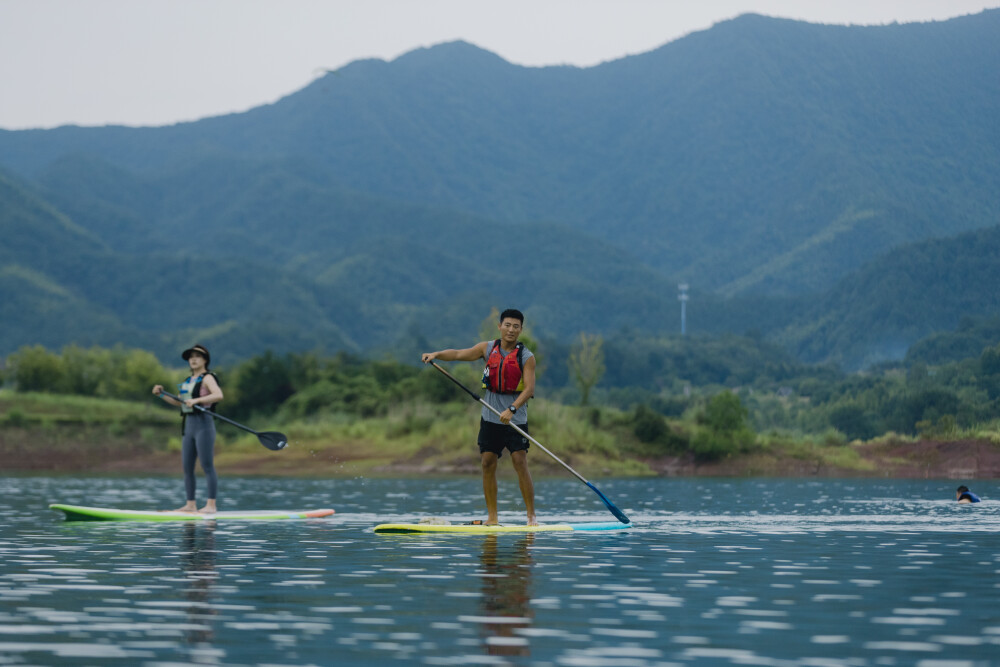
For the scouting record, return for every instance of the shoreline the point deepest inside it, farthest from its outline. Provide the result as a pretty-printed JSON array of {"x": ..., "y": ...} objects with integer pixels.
[{"x": 927, "y": 459}]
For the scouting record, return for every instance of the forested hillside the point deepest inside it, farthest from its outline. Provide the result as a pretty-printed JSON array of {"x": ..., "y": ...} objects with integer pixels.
[
  {"x": 388, "y": 204},
  {"x": 908, "y": 294}
]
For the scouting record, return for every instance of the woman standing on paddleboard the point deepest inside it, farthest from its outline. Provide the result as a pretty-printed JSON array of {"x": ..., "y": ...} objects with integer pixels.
[{"x": 198, "y": 428}]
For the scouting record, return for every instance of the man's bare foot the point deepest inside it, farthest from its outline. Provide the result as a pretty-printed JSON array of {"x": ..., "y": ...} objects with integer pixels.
[
  {"x": 532, "y": 521},
  {"x": 190, "y": 507}
]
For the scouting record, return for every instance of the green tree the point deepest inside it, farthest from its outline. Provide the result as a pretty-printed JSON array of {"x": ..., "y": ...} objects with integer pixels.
[
  {"x": 853, "y": 421},
  {"x": 651, "y": 427},
  {"x": 586, "y": 364},
  {"x": 88, "y": 372},
  {"x": 989, "y": 371},
  {"x": 726, "y": 430},
  {"x": 133, "y": 373},
  {"x": 36, "y": 369},
  {"x": 905, "y": 410},
  {"x": 262, "y": 384},
  {"x": 647, "y": 424},
  {"x": 725, "y": 413}
]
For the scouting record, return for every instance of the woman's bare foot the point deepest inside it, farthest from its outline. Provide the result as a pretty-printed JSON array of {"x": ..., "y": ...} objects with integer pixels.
[
  {"x": 209, "y": 508},
  {"x": 188, "y": 507}
]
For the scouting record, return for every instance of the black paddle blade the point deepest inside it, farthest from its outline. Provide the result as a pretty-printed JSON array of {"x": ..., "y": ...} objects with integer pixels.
[
  {"x": 273, "y": 440},
  {"x": 610, "y": 505}
]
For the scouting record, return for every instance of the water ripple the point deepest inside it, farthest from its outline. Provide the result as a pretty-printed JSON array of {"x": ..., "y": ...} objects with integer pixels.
[{"x": 765, "y": 572}]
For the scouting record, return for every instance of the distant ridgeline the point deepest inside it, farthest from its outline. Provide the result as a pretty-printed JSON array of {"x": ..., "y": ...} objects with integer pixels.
[{"x": 829, "y": 188}]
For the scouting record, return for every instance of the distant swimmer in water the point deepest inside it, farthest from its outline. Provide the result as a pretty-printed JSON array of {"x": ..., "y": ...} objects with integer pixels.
[{"x": 963, "y": 495}]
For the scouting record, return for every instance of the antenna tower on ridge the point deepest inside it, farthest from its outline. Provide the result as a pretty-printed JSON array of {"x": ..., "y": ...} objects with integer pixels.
[{"x": 683, "y": 298}]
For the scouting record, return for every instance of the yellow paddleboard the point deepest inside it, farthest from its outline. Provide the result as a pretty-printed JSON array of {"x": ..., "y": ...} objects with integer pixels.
[{"x": 482, "y": 529}]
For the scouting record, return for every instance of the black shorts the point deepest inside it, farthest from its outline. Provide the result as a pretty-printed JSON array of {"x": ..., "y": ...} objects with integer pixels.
[{"x": 495, "y": 437}]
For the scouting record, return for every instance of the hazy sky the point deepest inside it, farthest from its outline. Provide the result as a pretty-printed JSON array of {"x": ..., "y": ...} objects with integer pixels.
[{"x": 156, "y": 62}]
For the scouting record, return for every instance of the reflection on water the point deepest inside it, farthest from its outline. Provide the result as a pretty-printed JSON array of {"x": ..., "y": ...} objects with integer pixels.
[
  {"x": 198, "y": 561},
  {"x": 506, "y": 576},
  {"x": 838, "y": 573}
]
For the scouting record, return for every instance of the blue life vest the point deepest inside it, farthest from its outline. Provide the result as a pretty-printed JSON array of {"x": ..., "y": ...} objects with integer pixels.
[
  {"x": 191, "y": 388},
  {"x": 970, "y": 495}
]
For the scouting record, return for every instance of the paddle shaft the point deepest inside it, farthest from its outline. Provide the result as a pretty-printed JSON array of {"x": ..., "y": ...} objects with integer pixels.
[
  {"x": 610, "y": 505},
  {"x": 212, "y": 414},
  {"x": 511, "y": 424}
]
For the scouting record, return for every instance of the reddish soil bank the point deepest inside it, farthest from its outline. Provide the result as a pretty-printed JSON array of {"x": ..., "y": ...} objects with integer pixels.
[
  {"x": 128, "y": 453},
  {"x": 926, "y": 459},
  {"x": 958, "y": 459}
]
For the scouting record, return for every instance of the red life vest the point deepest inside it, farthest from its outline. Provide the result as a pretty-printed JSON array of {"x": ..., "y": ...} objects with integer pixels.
[{"x": 503, "y": 373}]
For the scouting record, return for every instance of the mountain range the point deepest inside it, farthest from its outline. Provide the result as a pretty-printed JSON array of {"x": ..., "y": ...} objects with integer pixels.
[{"x": 789, "y": 172}]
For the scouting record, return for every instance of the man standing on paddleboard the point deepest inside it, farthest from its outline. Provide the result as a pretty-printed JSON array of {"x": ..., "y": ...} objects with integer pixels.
[
  {"x": 509, "y": 380},
  {"x": 198, "y": 428}
]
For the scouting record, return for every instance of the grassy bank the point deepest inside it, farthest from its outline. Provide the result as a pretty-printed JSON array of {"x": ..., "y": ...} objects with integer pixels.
[{"x": 46, "y": 432}]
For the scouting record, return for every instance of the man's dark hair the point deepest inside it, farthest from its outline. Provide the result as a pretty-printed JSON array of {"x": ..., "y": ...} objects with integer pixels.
[
  {"x": 962, "y": 489},
  {"x": 513, "y": 314}
]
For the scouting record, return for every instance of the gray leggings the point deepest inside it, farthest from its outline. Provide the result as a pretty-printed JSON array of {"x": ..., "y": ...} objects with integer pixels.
[{"x": 199, "y": 444}]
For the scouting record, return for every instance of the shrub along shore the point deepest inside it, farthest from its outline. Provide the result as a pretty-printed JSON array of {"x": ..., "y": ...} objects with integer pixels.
[
  {"x": 91, "y": 410},
  {"x": 73, "y": 434}
]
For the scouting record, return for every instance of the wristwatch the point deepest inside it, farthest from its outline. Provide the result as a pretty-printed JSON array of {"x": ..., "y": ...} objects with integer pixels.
[{"x": 513, "y": 409}]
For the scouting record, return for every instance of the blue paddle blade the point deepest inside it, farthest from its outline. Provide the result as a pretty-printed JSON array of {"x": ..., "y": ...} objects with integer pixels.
[{"x": 610, "y": 505}]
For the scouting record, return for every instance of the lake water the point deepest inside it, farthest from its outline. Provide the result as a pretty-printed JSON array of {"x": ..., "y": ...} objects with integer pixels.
[{"x": 716, "y": 572}]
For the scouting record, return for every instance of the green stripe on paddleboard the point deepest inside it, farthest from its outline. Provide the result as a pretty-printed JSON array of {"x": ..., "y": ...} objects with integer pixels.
[
  {"x": 481, "y": 529},
  {"x": 80, "y": 513}
]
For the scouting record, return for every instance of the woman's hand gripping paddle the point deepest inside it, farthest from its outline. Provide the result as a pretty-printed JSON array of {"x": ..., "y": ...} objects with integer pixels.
[
  {"x": 270, "y": 439},
  {"x": 610, "y": 505}
]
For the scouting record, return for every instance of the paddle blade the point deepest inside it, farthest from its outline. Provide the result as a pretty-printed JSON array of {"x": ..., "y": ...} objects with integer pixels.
[
  {"x": 610, "y": 505},
  {"x": 273, "y": 440}
]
